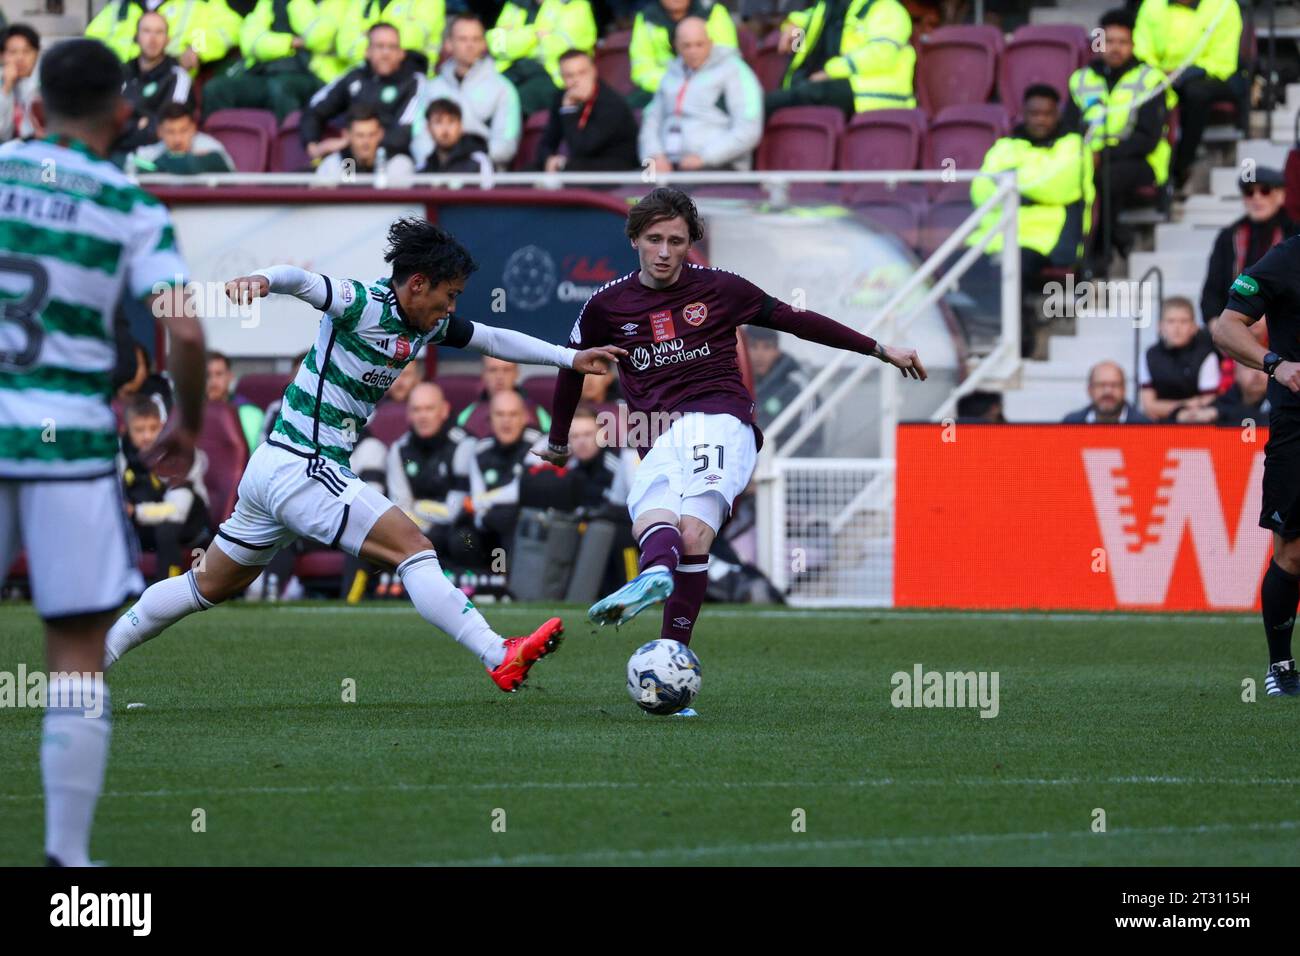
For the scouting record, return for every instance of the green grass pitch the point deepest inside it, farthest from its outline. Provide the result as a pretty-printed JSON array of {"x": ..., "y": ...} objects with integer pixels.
[{"x": 1140, "y": 716}]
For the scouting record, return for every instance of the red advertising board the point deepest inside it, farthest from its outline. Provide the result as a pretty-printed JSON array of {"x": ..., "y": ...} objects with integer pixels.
[{"x": 1088, "y": 517}]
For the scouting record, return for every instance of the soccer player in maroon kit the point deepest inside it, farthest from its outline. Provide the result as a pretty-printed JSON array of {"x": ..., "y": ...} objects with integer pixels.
[{"x": 677, "y": 322}]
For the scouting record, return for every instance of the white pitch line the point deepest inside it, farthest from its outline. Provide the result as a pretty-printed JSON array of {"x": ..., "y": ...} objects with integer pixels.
[
  {"x": 796, "y": 846},
  {"x": 685, "y": 785},
  {"x": 893, "y": 614}
]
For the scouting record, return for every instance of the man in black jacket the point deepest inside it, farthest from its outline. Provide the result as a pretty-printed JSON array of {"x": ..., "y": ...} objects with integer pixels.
[
  {"x": 454, "y": 150},
  {"x": 591, "y": 128},
  {"x": 385, "y": 81},
  {"x": 1240, "y": 245},
  {"x": 419, "y": 470},
  {"x": 153, "y": 79}
]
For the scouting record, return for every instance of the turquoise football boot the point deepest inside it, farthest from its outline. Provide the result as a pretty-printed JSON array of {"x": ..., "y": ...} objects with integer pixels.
[{"x": 651, "y": 586}]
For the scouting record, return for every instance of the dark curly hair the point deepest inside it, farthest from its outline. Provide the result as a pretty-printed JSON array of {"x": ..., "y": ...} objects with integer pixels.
[
  {"x": 417, "y": 245},
  {"x": 662, "y": 204}
]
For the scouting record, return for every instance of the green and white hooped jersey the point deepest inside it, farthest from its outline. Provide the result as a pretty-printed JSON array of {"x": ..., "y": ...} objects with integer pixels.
[
  {"x": 75, "y": 236},
  {"x": 362, "y": 346}
]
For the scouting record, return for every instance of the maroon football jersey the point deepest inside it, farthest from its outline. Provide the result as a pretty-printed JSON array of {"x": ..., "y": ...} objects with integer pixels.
[{"x": 681, "y": 341}]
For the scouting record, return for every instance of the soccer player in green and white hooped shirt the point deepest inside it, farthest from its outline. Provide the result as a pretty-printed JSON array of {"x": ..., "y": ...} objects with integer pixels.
[
  {"x": 75, "y": 237},
  {"x": 298, "y": 484}
]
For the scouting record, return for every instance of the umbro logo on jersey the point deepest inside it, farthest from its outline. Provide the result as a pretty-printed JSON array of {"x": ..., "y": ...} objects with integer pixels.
[
  {"x": 712, "y": 479},
  {"x": 681, "y": 622},
  {"x": 629, "y": 328}
]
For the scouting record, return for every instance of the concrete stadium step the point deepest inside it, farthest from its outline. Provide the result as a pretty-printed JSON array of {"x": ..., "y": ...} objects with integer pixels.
[
  {"x": 1179, "y": 237},
  {"x": 1085, "y": 12},
  {"x": 1044, "y": 401},
  {"x": 1216, "y": 211},
  {"x": 1266, "y": 152},
  {"x": 1171, "y": 264}
]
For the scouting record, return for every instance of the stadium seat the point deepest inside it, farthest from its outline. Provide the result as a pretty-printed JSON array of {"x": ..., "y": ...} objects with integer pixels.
[
  {"x": 613, "y": 65},
  {"x": 287, "y": 153},
  {"x": 529, "y": 141},
  {"x": 768, "y": 64},
  {"x": 901, "y": 218},
  {"x": 882, "y": 140},
  {"x": 263, "y": 388},
  {"x": 748, "y": 44},
  {"x": 958, "y": 64},
  {"x": 540, "y": 389},
  {"x": 459, "y": 390},
  {"x": 964, "y": 135},
  {"x": 388, "y": 422},
  {"x": 1074, "y": 35},
  {"x": 801, "y": 137},
  {"x": 939, "y": 220},
  {"x": 315, "y": 565},
  {"x": 222, "y": 441},
  {"x": 247, "y": 135},
  {"x": 1029, "y": 61}
]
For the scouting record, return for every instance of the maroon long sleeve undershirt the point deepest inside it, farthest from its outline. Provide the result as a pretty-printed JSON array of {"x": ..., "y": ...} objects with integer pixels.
[{"x": 568, "y": 391}]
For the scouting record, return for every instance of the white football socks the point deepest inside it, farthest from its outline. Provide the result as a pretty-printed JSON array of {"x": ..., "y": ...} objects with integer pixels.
[
  {"x": 161, "y": 606},
  {"x": 445, "y": 607},
  {"x": 74, "y": 752}
]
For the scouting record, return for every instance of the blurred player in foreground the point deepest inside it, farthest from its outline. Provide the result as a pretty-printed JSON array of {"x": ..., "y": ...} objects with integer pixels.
[
  {"x": 75, "y": 237},
  {"x": 677, "y": 322},
  {"x": 298, "y": 483}
]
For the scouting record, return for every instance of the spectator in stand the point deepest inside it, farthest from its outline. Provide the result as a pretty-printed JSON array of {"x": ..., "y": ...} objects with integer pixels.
[
  {"x": 454, "y": 150},
  {"x": 182, "y": 149},
  {"x": 1107, "y": 404},
  {"x": 201, "y": 31},
  {"x": 487, "y": 473},
  {"x": 1239, "y": 246},
  {"x": 1054, "y": 179},
  {"x": 419, "y": 464},
  {"x": 591, "y": 126},
  {"x": 169, "y": 517},
  {"x": 1245, "y": 403},
  {"x": 528, "y": 39},
  {"x": 365, "y": 137},
  {"x": 604, "y": 473},
  {"x": 419, "y": 23},
  {"x": 708, "y": 111},
  {"x": 153, "y": 79},
  {"x": 1166, "y": 33},
  {"x": 1130, "y": 145},
  {"x": 853, "y": 54},
  {"x": 778, "y": 381},
  {"x": 651, "y": 48},
  {"x": 135, "y": 376},
  {"x": 386, "y": 82},
  {"x": 405, "y": 382},
  {"x": 18, "y": 82},
  {"x": 275, "y": 72},
  {"x": 1182, "y": 369},
  {"x": 499, "y": 376},
  {"x": 985, "y": 407},
  {"x": 221, "y": 388},
  {"x": 488, "y": 101}
]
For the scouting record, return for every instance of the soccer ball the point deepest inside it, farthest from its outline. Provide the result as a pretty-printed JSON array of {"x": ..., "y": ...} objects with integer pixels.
[{"x": 663, "y": 677}]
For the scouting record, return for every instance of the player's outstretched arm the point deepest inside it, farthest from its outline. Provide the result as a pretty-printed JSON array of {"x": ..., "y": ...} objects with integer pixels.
[
  {"x": 815, "y": 327},
  {"x": 310, "y": 287},
  {"x": 525, "y": 349},
  {"x": 172, "y": 453}
]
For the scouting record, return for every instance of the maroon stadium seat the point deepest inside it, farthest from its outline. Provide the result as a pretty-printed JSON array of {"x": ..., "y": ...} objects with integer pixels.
[
  {"x": 529, "y": 141},
  {"x": 801, "y": 137},
  {"x": 263, "y": 388},
  {"x": 613, "y": 65},
  {"x": 748, "y": 44},
  {"x": 459, "y": 390},
  {"x": 939, "y": 220},
  {"x": 768, "y": 64},
  {"x": 540, "y": 389},
  {"x": 1077, "y": 37},
  {"x": 388, "y": 422},
  {"x": 287, "y": 152},
  {"x": 901, "y": 218},
  {"x": 882, "y": 140},
  {"x": 958, "y": 64},
  {"x": 247, "y": 136},
  {"x": 1027, "y": 62},
  {"x": 314, "y": 565},
  {"x": 963, "y": 134},
  {"x": 222, "y": 441}
]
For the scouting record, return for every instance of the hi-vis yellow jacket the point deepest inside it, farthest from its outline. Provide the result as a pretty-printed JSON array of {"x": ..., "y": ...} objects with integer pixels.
[{"x": 874, "y": 54}]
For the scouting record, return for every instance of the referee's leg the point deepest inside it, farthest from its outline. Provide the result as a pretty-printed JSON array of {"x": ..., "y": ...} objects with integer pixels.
[{"x": 1279, "y": 596}]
